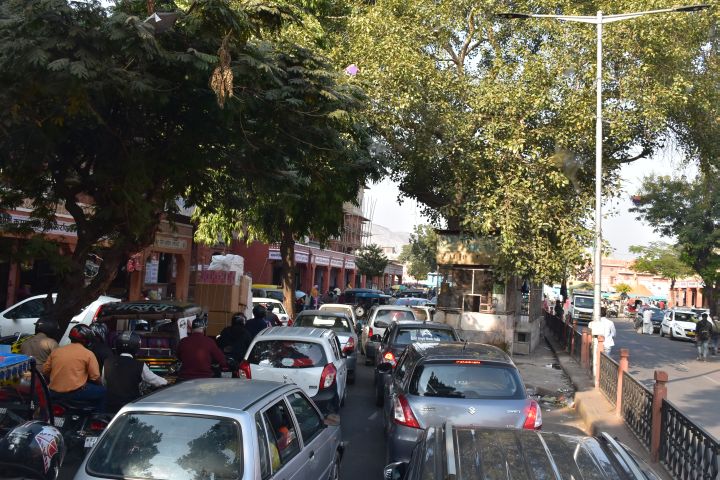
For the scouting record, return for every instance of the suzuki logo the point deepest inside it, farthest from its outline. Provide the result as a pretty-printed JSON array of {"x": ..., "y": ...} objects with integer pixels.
[{"x": 471, "y": 410}]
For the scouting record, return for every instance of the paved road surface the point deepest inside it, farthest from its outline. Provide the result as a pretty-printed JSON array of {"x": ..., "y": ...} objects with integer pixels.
[{"x": 693, "y": 386}]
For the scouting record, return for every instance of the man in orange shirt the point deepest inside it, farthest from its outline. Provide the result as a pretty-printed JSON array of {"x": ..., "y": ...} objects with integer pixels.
[{"x": 74, "y": 371}]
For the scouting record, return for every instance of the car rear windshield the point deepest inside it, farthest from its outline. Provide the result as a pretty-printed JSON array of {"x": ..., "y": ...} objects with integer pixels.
[
  {"x": 406, "y": 336},
  {"x": 287, "y": 354},
  {"x": 394, "y": 315},
  {"x": 467, "y": 379},
  {"x": 685, "y": 317},
  {"x": 177, "y": 447},
  {"x": 336, "y": 324}
]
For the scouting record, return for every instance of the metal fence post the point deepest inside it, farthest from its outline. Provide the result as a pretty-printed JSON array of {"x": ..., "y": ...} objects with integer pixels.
[
  {"x": 585, "y": 349},
  {"x": 622, "y": 368},
  {"x": 659, "y": 394},
  {"x": 600, "y": 341}
]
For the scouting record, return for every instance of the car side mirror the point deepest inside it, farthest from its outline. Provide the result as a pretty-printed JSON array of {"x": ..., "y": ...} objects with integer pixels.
[
  {"x": 381, "y": 324},
  {"x": 384, "y": 367},
  {"x": 332, "y": 420},
  {"x": 376, "y": 338},
  {"x": 395, "y": 471}
]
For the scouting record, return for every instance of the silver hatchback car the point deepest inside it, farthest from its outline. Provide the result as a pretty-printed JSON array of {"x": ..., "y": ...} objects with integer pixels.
[
  {"x": 219, "y": 429},
  {"x": 465, "y": 383}
]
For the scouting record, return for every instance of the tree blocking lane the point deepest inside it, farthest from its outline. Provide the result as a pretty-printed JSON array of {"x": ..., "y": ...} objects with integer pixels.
[{"x": 692, "y": 385}]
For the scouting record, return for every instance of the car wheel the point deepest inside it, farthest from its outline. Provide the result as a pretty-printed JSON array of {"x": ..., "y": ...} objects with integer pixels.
[
  {"x": 662, "y": 332},
  {"x": 379, "y": 395},
  {"x": 335, "y": 471},
  {"x": 672, "y": 335}
]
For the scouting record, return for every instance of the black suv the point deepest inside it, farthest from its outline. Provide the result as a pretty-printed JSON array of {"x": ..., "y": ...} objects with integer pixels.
[
  {"x": 398, "y": 336},
  {"x": 468, "y": 453}
]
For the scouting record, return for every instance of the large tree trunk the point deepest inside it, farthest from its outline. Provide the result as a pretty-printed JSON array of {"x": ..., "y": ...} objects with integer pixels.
[
  {"x": 671, "y": 296},
  {"x": 712, "y": 295},
  {"x": 287, "y": 257}
]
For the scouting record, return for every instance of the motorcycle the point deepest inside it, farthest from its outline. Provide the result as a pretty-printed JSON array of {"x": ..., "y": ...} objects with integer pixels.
[
  {"x": 79, "y": 424},
  {"x": 612, "y": 311}
]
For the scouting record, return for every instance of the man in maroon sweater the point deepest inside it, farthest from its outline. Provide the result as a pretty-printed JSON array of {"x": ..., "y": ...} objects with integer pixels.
[{"x": 197, "y": 353}]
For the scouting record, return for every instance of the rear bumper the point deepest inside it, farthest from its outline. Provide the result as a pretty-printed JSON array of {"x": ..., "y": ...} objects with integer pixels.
[
  {"x": 327, "y": 401},
  {"x": 401, "y": 441}
]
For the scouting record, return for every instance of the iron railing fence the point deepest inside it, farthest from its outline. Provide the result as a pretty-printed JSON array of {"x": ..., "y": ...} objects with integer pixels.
[
  {"x": 636, "y": 408},
  {"x": 609, "y": 377},
  {"x": 686, "y": 450}
]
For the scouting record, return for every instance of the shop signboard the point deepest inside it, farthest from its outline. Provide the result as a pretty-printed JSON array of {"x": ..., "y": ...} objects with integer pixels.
[
  {"x": 336, "y": 263},
  {"x": 175, "y": 244},
  {"x": 274, "y": 254},
  {"x": 300, "y": 257},
  {"x": 349, "y": 264},
  {"x": 321, "y": 261},
  {"x": 465, "y": 249},
  {"x": 58, "y": 228}
]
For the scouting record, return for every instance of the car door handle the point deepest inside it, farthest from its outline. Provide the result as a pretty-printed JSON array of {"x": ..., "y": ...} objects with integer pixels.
[{"x": 312, "y": 454}]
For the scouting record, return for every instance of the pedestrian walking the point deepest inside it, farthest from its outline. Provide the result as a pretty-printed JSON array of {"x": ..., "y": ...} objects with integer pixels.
[
  {"x": 558, "y": 310},
  {"x": 703, "y": 333},
  {"x": 607, "y": 329},
  {"x": 715, "y": 338}
]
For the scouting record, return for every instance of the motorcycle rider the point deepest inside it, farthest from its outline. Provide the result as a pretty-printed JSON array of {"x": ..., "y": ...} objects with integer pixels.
[
  {"x": 97, "y": 344},
  {"x": 197, "y": 353},
  {"x": 259, "y": 321},
  {"x": 235, "y": 339},
  {"x": 74, "y": 372},
  {"x": 123, "y": 375},
  {"x": 42, "y": 343}
]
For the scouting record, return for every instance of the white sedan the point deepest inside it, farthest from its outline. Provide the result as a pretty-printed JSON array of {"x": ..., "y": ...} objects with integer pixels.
[
  {"x": 679, "y": 324},
  {"x": 273, "y": 305}
]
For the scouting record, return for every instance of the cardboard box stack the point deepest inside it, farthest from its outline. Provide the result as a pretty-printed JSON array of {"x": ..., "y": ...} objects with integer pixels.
[{"x": 222, "y": 294}]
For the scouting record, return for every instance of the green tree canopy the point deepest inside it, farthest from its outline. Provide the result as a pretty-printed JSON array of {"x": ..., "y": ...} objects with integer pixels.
[
  {"x": 623, "y": 288},
  {"x": 660, "y": 258},
  {"x": 490, "y": 123},
  {"x": 688, "y": 210},
  {"x": 371, "y": 261},
  {"x": 421, "y": 253}
]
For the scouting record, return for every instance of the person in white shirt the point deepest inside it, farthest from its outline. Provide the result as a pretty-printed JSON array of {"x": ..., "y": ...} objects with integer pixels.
[{"x": 607, "y": 330}]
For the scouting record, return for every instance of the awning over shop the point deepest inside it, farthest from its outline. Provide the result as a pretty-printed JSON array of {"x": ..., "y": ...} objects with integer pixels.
[{"x": 640, "y": 291}]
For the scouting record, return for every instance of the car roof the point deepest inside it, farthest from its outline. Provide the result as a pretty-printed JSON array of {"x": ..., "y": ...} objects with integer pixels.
[
  {"x": 461, "y": 351},
  {"x": 294, "y": 333},
  {"x": 393, "y": 307},
  {"x": 511, "y": 453},
  {"x": 211, "y": 393},
  {"x": 321, "y": 313},
  {"x": 266, "y": 300},
  {"x": 335, "y": 305},
  {"x": 421, "y": 324}
]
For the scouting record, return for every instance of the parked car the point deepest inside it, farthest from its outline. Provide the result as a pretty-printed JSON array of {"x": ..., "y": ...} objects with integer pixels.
[
  {"x": 699, "y": 311},
  {"x": 159, "y": 324},
  {"x": 657, "y": 317},
  {"x": 465, "y": 383},
  {"x": 309, "y": 357},
  {"x": 275, "y": 306},
  {"x": 468, "y": 453},
  {"x": 268, "y": 291},
  {"x": 397, "y": 337},
  {"x": 339, "y": 323},
  {"x": 379, "y": 319},
  {"x": 215, "y": 429},
  {"x": 679, "y": 323},
  {"x": 21, "y": 317}
]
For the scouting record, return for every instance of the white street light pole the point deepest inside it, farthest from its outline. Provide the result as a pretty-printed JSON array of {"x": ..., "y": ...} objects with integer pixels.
[{"x": 598, "y": 21}]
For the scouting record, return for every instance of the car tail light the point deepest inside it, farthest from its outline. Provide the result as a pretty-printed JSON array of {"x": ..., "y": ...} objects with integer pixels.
[
  {"x": 58, "y": 411},
  {"x": 97, "y": 314},
  {"x": 245, "y": 369},
  {"x": 97, "y": 425},
  {"x": 402, "y": 413},
  {"x": 370, "y": 332},
  {"x": 349, "y": 346},
  {"x": 327, "y": 378},
  {"x": 533, "y": 419},
  {"x": 290, "y": 322},
  {"x": 389, "y": 357}
]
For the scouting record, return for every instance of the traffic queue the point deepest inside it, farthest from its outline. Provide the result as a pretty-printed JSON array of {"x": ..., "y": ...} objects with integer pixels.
[{"x": 143, "y": 392}]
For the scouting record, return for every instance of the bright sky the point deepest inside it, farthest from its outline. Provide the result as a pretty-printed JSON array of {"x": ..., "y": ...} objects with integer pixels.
[{"x": 619, "y": 228}]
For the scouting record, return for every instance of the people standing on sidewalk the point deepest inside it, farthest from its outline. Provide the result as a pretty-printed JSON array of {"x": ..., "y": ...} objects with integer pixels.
[
  {"x": 703, "y": 332},
  {"x": 607, "y": 329},
  {"x": 558, "y": 310},
  {"x": 715, "y": 338}
]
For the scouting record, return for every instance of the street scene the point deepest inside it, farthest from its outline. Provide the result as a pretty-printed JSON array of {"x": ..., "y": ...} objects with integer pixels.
[{"x": 343, "y": 239}]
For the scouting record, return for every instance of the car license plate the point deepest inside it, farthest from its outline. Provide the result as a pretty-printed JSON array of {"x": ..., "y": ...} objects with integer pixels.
[
  {"x": 90, "y": 442},
  {"x": 226, "y": 374},
  {"x": 690, "y": 334},
  {"x": 59, "y": 421}
]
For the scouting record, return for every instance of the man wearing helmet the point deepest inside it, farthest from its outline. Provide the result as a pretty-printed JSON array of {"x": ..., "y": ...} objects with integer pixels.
[
  {"x": 42, "y": 343},
  {"x": 235, "y": 339},
  {"x": 74, "y": 372},
  {"x": 123, "y": 375},
  {"x": 197, "y": 353},
  {"x": 97, "y": 343}
]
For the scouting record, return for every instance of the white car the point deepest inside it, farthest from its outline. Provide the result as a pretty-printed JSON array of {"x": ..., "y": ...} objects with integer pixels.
[
  {"x": 21, "y": 317},
  {"x": 679, "y": 324},
  {"x": 380, "y": 318},
  {"x": 311, "y": 358},
  {"x": 274, "y": 306},
  {"x": 341, "y": 308}
]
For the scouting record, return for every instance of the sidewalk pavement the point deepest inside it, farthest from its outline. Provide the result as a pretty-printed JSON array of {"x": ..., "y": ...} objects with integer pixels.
[{"x": 597, "y": 413}]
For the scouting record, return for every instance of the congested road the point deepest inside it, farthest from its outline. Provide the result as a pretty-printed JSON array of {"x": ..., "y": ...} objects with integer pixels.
[{"x": 692, "y": 385}]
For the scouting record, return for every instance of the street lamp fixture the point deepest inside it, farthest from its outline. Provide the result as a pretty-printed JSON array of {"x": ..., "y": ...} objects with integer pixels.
[{"x": 599, "y": 20}]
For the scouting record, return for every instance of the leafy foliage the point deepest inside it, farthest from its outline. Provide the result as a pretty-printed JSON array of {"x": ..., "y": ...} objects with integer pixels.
[
  {"x": 690, "y": 212},
  {"x": 421, "y": 253},
  {"x": 660, "y": 258},
  {"x": 623, "y": 288},
  {"x": 371, "y": 261}
]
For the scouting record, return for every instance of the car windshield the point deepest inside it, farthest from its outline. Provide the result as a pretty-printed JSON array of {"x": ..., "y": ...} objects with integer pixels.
[
  {"x": 467, "y": 379},
  {"x": 287, "y": 354},
  {"x": 394, "y": 315},
  {"x": 161, "y": 446},
  {"x": 411, "y": 301},
  {"x": 406, "y": 336},
  {"x": 685, "y": 317},
  {"x": 271, "y": 306},
  {"x": 584, "y": 302},
  {"x": 336, "y": 324}
]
